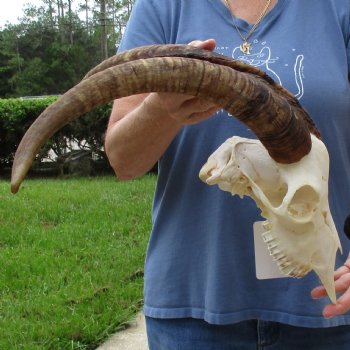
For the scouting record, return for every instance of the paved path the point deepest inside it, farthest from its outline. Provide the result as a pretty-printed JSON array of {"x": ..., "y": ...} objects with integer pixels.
[{"x": 133, "y": 338}]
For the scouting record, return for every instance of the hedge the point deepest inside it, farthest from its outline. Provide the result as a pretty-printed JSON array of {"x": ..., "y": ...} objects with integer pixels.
[{"x": 16, "y": 115}]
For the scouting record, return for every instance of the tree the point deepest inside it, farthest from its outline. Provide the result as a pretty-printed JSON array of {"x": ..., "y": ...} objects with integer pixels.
[
  {"x": 11, "y": 61},
  {"x": 103, "y": 16},
  {"x": 86, "y": 9},
  {"x": 52, "y": 48}
]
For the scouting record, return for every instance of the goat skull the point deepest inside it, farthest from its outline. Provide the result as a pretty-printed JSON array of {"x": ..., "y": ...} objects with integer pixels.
[
  {"x": 269, "y": 110},
  {"x": 301, "y": 235}
]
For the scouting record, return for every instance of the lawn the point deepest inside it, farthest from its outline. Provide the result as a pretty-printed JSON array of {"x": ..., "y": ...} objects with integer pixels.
[{"x": 71, "y": 259}]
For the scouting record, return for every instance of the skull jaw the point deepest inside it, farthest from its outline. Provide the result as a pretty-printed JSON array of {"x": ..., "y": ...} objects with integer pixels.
[{"x": 297, "y": 255}]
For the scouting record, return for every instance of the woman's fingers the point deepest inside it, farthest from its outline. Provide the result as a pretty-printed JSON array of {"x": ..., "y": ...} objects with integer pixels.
[
  {"x": 342, "y": 306},
  {"x": 342, "y": 283},
  {"x": 208, "y": 44}
]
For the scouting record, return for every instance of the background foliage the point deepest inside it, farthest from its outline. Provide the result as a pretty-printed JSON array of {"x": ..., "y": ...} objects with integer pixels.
[
  {"x": 84, "y": 133},
  {"x": 50, "y": 50},
  {"x": 55, "y": 44}
]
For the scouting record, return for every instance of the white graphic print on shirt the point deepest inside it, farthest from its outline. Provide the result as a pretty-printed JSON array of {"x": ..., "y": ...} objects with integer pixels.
[{"x": 265, "y": 60}]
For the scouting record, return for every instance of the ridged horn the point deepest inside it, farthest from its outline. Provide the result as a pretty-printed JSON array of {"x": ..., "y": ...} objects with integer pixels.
[{"x": 272, "y": 113}]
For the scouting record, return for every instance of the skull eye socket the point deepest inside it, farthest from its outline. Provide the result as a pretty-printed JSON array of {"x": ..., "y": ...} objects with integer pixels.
[
  {"x": 276, "y": 197},
  {"x": 303, "y": 204}
]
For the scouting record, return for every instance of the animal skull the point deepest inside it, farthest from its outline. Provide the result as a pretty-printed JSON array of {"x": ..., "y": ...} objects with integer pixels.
[{"x": 300, "y": 232}]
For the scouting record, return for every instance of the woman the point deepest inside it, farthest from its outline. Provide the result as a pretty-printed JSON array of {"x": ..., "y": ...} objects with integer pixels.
[{"x": 201, "y": 291}]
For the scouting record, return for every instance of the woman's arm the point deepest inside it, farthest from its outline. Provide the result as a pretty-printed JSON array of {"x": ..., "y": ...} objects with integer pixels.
[{"x": 141, "y": 127}]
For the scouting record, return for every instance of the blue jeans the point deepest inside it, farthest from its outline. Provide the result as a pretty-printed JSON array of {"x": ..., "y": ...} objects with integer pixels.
[{"x": 193, "y": 334}]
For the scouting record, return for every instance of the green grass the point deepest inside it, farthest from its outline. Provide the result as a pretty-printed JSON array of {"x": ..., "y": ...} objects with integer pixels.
[{"x": 71, "y": 260}]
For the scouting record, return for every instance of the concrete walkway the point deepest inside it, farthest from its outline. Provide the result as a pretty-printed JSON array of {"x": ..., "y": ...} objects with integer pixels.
[{"x": 132, "y": 338}]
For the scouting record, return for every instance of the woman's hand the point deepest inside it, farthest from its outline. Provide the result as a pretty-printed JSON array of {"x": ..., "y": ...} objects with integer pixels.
[
  {"x": 342, "y": 285},
  {"x": 185, "y": 109}
]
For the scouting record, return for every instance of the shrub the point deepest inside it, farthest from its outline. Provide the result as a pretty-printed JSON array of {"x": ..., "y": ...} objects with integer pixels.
[{"x": 16, "y": 115}]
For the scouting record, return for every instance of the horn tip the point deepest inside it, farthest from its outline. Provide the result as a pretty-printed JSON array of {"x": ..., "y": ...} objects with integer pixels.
[
  {"x": 14, "y": 187},
  {"x": 16, "y": 178}
]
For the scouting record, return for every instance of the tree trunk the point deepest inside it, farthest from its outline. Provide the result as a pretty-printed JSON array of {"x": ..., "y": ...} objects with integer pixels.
[
  {"x": 52, "y": 23},
  {"x": 70, "y": 27},
  {"x": 113, "y": 17},
  {"x": 58, "y": 11},
  {"x": 62, "y": 8},
  {"x": 87, "y": 16},
  {"x": 103, "y": 20}
]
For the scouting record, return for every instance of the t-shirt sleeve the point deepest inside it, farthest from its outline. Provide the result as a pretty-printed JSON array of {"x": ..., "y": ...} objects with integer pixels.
[
  {"x": 144, "y": 27},
  {"x": 348, "y": 57},
  {"x": 347, "y": 40},
  {"x": 348, "y": 53}
]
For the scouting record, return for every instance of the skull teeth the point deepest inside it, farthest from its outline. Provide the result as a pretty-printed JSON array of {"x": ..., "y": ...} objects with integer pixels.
[{"x": 286, "y": 265}]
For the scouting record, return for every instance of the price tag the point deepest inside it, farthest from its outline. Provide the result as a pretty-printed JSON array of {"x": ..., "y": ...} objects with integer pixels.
[{"x": 265, "y": 266}]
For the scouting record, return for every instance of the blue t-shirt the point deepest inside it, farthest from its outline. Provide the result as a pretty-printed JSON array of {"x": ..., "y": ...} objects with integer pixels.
[{"x": 200, "y": 260}]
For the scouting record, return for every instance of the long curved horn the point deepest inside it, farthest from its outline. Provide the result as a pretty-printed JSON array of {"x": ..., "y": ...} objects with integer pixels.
[
  {"x": 180, "y": 50},
  {"x": 269, "y": 111}
]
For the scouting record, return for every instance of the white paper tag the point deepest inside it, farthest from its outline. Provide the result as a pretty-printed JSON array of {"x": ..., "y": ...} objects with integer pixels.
[{"x": 265, "y": 266}]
